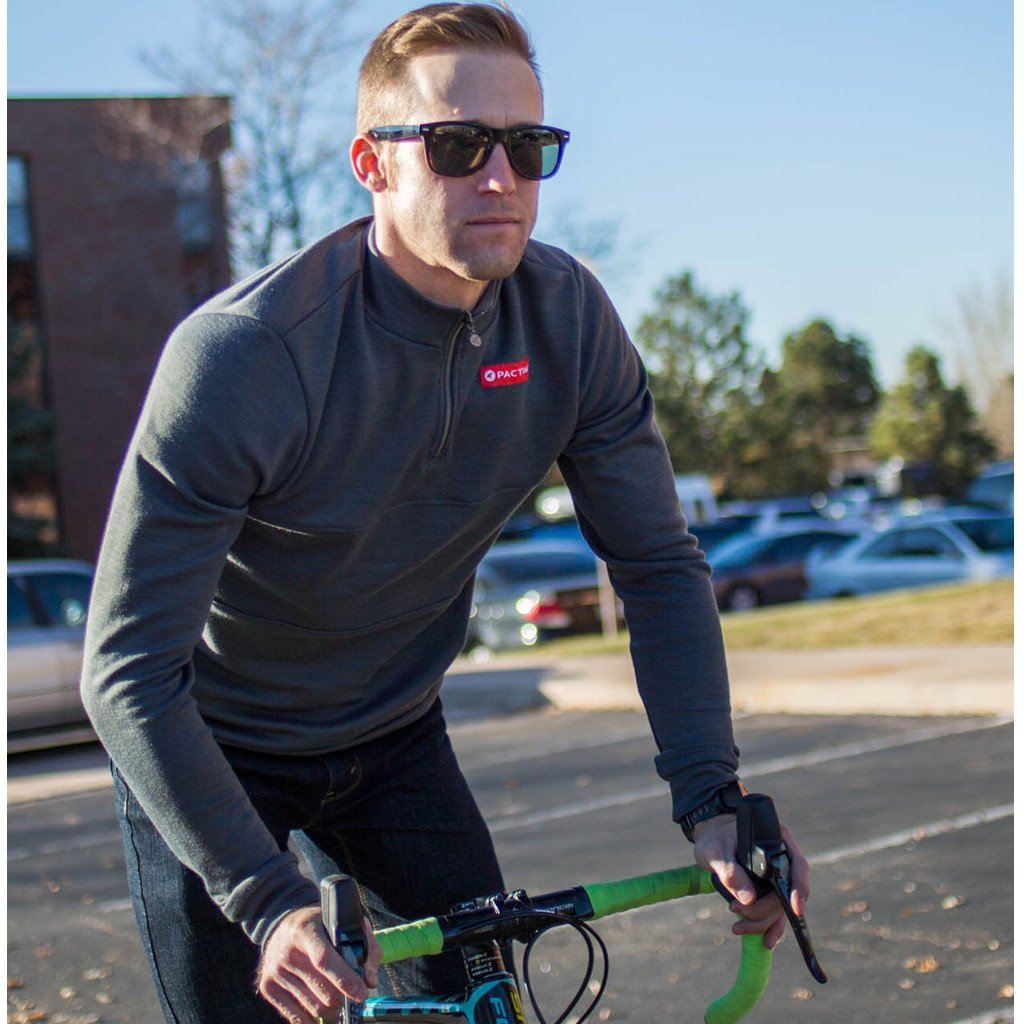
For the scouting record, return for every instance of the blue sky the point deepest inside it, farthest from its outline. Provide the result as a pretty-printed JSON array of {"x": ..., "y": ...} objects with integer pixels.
[{"x": 845, "y": 160}]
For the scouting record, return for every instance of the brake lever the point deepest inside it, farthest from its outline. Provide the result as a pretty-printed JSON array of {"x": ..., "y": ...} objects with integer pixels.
[
  {"x": 762, "y": 853},
  {"x": 342, "y": 911}
]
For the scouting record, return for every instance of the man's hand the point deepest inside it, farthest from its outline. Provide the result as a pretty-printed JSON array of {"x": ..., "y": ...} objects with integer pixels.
[
  {"x": 714, "y": 848},
  {"x": 304, "y": 977}
]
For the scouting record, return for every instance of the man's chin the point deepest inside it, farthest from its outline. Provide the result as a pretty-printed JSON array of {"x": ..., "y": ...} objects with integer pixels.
[{"x": 492, "y": 266}]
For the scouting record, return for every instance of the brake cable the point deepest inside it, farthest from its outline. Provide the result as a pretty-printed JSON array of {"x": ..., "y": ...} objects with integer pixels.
[{"x": 590, "y": 937}]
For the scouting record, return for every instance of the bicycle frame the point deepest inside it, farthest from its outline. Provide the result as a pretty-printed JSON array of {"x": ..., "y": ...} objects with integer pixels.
[
  {"x": 494, "y": 1002},
  {"x": 493, "y": 996}
]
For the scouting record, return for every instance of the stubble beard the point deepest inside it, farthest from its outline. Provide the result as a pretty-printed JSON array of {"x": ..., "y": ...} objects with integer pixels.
[{"x": 490, "y": 263}]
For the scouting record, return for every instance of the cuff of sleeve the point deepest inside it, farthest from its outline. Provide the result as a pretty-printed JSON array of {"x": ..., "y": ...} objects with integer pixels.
[
  {"x": 259, "y": 902},
  {"x": 260, "y": 929},
  {"x": 694, "y": 782}
]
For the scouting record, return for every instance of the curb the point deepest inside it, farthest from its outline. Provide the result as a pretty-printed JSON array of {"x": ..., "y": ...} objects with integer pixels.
[
  {"x": 898, "y": 681},
  {"x": 971, "y": 680}
]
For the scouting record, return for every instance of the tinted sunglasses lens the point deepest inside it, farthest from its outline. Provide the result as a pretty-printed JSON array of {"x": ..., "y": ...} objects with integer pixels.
[
  {"x": 534, "y": 152},
  {"x": 457, "y": 149}
]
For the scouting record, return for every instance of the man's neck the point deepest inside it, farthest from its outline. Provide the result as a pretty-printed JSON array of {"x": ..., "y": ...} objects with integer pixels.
[{"x": 435, "y": 283}]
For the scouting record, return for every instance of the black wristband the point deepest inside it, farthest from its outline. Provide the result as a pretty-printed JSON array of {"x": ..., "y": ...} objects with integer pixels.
[{"x": 725, "y": 801}]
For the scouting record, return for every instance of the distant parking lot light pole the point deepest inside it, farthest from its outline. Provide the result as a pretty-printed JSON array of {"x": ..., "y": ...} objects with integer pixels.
[{"x": 609, "y": 619}]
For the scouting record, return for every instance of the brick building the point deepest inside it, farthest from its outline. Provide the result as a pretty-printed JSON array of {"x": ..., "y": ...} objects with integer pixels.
[{"x": 115, "y": 230}]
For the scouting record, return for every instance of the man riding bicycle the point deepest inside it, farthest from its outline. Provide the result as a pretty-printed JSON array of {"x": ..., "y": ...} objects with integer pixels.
[{"x": 327, "y": 450}]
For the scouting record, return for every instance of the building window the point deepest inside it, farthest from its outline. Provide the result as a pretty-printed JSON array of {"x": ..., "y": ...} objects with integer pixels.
[
  {"x": 193, "y": 181},
  {"x": 19, "y": 231}
]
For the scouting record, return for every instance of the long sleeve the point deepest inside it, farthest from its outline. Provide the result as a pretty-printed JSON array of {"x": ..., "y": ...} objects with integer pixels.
[
  {"x": 224, "y": 420},
  {"x": 622, "y": 483}
]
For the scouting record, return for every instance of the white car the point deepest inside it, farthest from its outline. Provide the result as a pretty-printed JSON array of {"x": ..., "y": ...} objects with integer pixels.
[
  {"x": 932, "y": 548},
  {"x": 46, "y": 606}
]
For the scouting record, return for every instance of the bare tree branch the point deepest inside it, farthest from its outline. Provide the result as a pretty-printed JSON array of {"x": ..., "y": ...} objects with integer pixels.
[
  {"x": 283, "y": 65},
  {"x": 981, "y": 338},
  {"x": 596, "y": 243}
]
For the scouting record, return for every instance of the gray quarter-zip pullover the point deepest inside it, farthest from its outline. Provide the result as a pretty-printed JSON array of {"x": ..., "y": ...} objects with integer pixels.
[{"x": 323, "y": 457}]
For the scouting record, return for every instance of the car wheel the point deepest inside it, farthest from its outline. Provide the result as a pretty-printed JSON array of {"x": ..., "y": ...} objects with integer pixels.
[{"x": 742, "y": 598}]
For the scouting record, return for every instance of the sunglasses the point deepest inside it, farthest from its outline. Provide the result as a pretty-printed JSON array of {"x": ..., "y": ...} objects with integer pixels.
[{"x": 459, "y": 148}]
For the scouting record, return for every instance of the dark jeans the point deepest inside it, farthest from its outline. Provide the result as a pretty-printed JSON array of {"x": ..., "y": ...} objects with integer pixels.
[{"x": 395, "y": 814}]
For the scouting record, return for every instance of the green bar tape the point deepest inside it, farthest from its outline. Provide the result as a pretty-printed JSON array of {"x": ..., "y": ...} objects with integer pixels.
[
  {"x": 417, "y": 938},
  {"x": 614, "y": 897},
  {"x": 751, "y": 979}
]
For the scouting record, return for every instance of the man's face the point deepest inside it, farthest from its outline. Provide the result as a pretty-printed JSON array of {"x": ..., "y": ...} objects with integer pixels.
[{"x": 448, "y": 237}]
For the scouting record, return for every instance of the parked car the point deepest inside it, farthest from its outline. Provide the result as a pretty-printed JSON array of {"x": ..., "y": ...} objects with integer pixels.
[
  {"x": 993, "y": 487},
  {"x": 767, "y": 566},
  {"x": 934, "y": 547},
  {"x": 531, "y": 590},
  {"x": 710, "y": 535},
  {"x": 46, "y": 606},
  {"x": 696, "y": 499},
  {"x": 797, "y": 509}
]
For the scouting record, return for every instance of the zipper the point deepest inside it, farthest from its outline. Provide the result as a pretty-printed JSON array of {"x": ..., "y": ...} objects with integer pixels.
[{"x": 449, "y": 380}]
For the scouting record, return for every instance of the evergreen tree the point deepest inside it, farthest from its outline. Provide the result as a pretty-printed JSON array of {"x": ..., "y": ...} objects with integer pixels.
[
  {"x": 926, "y": 423},
  {"x": 702, "y": 367},
  {"x": 30, "y": 453}
]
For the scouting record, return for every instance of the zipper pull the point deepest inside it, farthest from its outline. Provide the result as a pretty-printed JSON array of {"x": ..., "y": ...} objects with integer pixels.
[{"x": 474, "y": 339}]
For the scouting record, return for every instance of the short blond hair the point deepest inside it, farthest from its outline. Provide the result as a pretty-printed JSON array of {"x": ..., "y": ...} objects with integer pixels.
[{"x": 383, "y": 81}]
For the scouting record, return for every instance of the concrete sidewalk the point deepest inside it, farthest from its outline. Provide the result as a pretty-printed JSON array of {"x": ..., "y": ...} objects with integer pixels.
[
  {"x": 968, "y": 680},
  {"x": 869, "y": 681}
]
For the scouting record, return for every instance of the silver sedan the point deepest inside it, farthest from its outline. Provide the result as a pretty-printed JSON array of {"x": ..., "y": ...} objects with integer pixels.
[
  {"x": 942, "y": 547},
  {"x": 46, "y": 605}
]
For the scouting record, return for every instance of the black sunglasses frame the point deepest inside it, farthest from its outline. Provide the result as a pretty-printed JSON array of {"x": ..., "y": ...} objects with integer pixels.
[{"x": 402, "y": 132}]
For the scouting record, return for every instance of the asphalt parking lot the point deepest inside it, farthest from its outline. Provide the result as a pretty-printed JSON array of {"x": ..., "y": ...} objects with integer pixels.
[{"x": 907, "y": 822}]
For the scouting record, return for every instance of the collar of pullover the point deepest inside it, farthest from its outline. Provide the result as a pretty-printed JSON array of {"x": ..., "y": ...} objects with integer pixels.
[{"x": 396, "y": 305}]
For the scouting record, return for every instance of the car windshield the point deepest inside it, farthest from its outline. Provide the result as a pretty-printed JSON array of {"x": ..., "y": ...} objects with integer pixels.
[
  {"x": 990, "y": 535},
  {"x": 736, "y": 551},
  {"x": 995, "y": 490},
  {"x": 539, "y": 565}
]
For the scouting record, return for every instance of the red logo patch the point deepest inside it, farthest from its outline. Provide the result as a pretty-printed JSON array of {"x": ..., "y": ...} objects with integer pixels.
[{"x": 500, "y": 375}]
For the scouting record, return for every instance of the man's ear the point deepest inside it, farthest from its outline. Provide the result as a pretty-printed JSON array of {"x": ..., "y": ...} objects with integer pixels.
[{"x": 367, "y": 164}]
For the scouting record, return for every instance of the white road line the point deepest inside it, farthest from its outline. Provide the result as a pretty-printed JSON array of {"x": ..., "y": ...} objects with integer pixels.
[
  {"x": 63, "y": 846},
  {"x": 915, "y": 834},
  {"x": 653, "y": 791},
  {"x": 991, "y": 1017},
  {"x": 859, "y": 747},
  {"x": 886, "y": 842},
  {"x": 930, "y": 732},
  {"x": 580, "y": 807},
  {"x": 753, "y": 770},
  {"x": 473, "y": 761},
  {"x": 114, "y": 906}
]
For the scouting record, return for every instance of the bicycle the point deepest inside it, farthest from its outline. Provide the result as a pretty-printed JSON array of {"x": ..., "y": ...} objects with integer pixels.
[{"x": 481, "y": 926}]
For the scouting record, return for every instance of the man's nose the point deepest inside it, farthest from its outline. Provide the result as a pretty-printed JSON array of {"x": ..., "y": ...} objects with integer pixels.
[{"x": 497, "y": 174}]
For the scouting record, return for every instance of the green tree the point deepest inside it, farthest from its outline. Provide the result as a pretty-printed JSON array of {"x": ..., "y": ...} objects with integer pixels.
[
  {"x": 30, "y": 453},
  {"x": 829, "y": 381},
  {"x": 924, "y": 422},
  {"x": 702, "y": 369},
  {"x": 752, "y": 430},
  {"x": 824, "y": 391}
]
